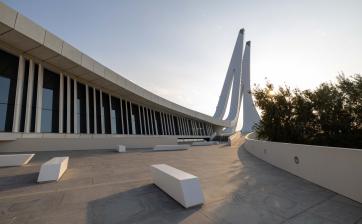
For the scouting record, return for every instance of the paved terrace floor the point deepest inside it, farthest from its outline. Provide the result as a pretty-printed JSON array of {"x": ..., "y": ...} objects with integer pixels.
[{"x": 109, "y": 187}]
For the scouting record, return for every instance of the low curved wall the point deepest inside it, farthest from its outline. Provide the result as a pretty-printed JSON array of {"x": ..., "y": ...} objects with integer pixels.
[{"x": 337, "y": 169}]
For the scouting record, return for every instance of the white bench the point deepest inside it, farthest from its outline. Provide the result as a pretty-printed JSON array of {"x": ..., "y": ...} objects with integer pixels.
[
  {"x": 181, "y": 186},
  {"x": 121, "y": 148},
  {"x": 171, "y": 147},
  {"x": 53, "y": 169},
  {"x": 204, "y": 143},
  {"x": 15, "y": 159}
]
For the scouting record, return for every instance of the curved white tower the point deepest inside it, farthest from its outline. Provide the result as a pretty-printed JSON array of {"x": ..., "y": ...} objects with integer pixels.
[
  {"x": 250, "y": 115},
  {"x": 238, "y": 77},
  {"x": 233, "y": 77}
]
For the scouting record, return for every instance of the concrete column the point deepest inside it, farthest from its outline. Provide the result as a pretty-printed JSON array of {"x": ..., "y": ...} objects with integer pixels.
[
  {"x": 203, "y": 128},
  {"x": 110, "y": 113},
  {"x": 151, "y": 121},
  {"x": 133, "y": 125},
  {"x": 170, "y": 123},
  {"x": 95, "y": 131},
  {"x": 183, "y": 126},
  {"x": 19, "y": 94},
  {"x": 144, "y": 120},
  {"x": 75, "y": 123},
  {"x": 102, "y": 111},
  {"x": 193, "y": 128},
  {"x": 120, "y": 101},
  {"x": 197, "y": 128},
  {"x": 161, "y": 122},
  {"x": 148, "y": 122},
  {"x": 61, "y": 101},
  {"x": 140, "y": 119},
  {"x": 127, "y": 117},
  {"x": 87, "y": 107},
  {"x": 39, "y": 100},
  {"x": 155, "y": 120},
  {"x": 68, "y": 105},
  {"x": 173, "y": 125},
  {"x": 178, "y": 125},
  {"x": 164, "y": 124},
  {"x": 29, "y": 98},
  {"x": 187, "y": 127}
]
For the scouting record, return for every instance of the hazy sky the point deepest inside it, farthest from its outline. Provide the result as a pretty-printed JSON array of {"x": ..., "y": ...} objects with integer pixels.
[{"x": 181, "y": 49}]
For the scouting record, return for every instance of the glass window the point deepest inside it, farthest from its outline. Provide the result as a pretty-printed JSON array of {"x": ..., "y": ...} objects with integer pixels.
[
  {"x": 8, "y": 77},
  {"x": 116, "y": 116},
  {"x": 34, "y": 99},
  {"x": 106, "y": 113},
  {"x": 81, "y": 108},
  {"x": 91, "y": 110},
  {"x": 50, "y": 107},
  {"x": 98, "y": 101}
]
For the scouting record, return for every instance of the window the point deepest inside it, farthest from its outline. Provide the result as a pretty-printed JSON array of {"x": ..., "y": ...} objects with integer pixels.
[
  {"x": 116, "y": 116},
  {"x": 8, "y": 77},
  {"x": 106, "y": 113},
  {"x": 99, "y": 117},
  {"x": 34, "y": 98},
  {"x": 125, "y": 128},
  {"x": 65, "y": 104},
  {"x": 81, "y": 108},
  {"x": 91, "y": 110},
  {"x": 136, "y": 115},
  {"x": 50, "y": 107}
]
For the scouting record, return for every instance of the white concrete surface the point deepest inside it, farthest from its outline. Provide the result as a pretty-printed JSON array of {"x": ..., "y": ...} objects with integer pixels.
[
  {"x": 61, "y": 142},
  {"x": 337, "y": 169},
  {"x": 15, "y": 159},
  {"x": 171, "y": 147},
  {"x": 121, "y": 148},
  {"x": 53, "y": 169},
  {"x": 204, "y": 143},
  {"x": 185, "y": 188}
]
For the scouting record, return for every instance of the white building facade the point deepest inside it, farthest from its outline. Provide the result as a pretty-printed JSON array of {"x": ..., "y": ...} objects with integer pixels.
[{"x": 54, "y": 97}]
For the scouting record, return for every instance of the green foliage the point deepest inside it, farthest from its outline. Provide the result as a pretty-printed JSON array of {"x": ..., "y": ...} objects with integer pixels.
[{"x": 329, "y": 115}]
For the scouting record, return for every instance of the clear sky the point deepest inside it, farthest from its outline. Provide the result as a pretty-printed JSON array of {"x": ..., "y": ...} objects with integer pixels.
[{"x": 181, "y": 49}]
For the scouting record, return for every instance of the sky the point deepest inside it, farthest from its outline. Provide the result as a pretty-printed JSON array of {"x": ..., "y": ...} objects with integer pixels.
[{"x": 180, "y": 50}]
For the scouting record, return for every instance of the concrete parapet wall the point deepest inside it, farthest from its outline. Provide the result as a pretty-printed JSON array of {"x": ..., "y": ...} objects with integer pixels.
[
  {"x": 337, "y": 169},
  {"x": 56, "y": 142}
]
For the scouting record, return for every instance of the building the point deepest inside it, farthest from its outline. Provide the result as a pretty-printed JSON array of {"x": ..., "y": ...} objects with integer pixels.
[{"x": 54, "y": 97}]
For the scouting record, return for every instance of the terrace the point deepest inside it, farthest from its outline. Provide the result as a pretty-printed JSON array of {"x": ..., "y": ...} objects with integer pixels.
[{"x": 108, "y": 187}]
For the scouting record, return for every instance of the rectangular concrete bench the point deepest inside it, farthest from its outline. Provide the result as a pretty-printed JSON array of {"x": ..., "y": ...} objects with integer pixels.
[
  {"x": 15, "y": 159},
  {"x": 171, "y": 147},
  {"x": 181, "y": 186},
  {"x": 121, "y": 148},
  {"x": 53, "y": 169},
  {"x": 204, "y": 143}
]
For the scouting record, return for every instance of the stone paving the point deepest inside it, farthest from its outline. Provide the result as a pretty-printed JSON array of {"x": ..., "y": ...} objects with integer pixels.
[{"x": 110, "y": 187}]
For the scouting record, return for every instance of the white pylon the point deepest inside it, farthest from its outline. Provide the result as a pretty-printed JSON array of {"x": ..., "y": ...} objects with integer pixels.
[
  {"x": 250, "y": 115},
  {"x": 238, "y": 76}
]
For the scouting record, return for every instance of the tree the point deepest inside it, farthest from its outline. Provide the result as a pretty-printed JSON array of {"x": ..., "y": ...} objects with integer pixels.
[{"x": 329, "y": 115}]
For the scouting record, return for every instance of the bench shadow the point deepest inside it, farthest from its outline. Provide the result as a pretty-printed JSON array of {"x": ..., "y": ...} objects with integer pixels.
[
  {"x": 144, "y": 204},
  {"x": 17, "y": 181}
]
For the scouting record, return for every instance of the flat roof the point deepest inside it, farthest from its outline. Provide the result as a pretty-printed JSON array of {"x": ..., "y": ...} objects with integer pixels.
[{"x": 30, "y": 39}]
